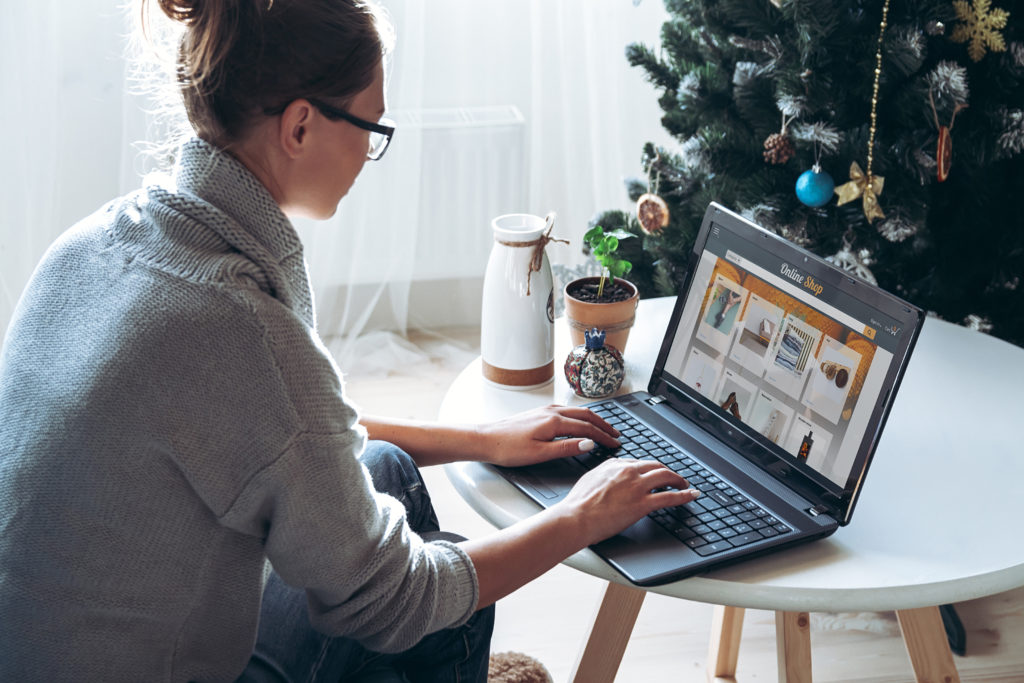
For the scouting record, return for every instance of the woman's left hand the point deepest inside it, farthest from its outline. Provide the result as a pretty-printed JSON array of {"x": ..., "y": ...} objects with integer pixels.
[{"x": 533, "y": 436}]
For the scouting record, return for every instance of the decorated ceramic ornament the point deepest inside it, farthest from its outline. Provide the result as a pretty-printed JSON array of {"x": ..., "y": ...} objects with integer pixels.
[
  {"x": 814, "y": 187},
  {"x": 594, "y": 369}
]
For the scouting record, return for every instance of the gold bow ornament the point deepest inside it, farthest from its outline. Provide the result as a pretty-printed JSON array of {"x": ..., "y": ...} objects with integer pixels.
[{"x": 870, "y": 186}]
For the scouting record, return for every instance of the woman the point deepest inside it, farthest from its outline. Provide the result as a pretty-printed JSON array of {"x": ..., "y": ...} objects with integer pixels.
[{"x": 170, "y": 421}]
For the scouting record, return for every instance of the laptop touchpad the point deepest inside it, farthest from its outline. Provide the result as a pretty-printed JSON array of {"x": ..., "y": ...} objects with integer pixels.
[{"x": 550, "y": 480}]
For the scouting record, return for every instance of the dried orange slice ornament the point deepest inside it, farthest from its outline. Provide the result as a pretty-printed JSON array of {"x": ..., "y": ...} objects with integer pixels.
[
  {"x": 944, "y": 153},
  {"x": 944, "y": 148},
  {"x": 652, "y": 212}
]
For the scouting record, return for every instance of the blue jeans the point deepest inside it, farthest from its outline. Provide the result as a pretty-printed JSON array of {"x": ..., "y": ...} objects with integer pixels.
[{"x": 289, "y": 650}]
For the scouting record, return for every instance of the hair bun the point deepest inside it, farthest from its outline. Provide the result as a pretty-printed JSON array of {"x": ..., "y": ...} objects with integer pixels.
[
  {"x": 190, "y": 11},
  {"x": 184, "y": 11}
]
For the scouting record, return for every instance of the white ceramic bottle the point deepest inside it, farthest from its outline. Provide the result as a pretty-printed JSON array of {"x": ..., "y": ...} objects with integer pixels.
[{"x": 517, "y": 323}]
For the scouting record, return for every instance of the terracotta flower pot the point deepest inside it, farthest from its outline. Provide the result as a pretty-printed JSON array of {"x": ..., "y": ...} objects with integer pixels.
[{"x": 615, "y": 318}]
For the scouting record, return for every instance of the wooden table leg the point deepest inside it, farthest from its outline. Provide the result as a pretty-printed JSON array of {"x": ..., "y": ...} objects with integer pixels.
[
  {"x": 599, "y": 660},
  {"x": 726, "y": 630},
  {"x": 926, "y": 642},
  {"x": 793, "y": 643}
]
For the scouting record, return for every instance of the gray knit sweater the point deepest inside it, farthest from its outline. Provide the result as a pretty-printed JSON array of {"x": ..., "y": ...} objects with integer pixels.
[{"x": 169, "y": 421}]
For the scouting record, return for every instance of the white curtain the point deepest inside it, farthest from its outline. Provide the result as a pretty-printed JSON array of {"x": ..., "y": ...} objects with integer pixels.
[{"x": 407, "y": 247}]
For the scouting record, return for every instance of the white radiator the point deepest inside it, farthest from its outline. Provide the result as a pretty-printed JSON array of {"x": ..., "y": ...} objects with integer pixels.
[
  {"x": 473, "y": 169},
  {"x": 424, "y": 215}
]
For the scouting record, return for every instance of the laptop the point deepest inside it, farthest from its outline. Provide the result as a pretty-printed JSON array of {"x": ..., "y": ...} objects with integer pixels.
[{"x": 769, "y": 394}]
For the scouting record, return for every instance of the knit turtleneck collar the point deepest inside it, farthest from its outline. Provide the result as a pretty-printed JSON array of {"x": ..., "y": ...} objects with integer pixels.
[{"x": 245, "y": 216}]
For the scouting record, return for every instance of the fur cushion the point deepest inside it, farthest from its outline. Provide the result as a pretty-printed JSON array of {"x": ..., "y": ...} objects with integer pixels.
[{"x": 515, "y": 667}]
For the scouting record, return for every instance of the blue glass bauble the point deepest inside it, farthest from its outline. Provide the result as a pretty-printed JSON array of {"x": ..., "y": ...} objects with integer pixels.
[{"x": 814, "y": 187}]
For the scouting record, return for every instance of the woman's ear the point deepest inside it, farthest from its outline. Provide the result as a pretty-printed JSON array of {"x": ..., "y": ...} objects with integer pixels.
[{"x": 293, "y": 128}]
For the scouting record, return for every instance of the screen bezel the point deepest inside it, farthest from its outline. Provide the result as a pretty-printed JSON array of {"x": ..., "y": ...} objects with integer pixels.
[{"x": 839, "y": 500}]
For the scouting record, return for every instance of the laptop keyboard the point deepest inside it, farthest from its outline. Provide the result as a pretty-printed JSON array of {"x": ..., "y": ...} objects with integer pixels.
[{"x": 722, "y": 518}]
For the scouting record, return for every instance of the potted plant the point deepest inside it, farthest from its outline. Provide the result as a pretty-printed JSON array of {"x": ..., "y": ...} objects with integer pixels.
[{"x": 607, "y": 302}]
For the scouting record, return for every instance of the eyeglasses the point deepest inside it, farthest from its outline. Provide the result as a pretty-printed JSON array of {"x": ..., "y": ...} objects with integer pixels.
[{"x": 380, "y": 133}]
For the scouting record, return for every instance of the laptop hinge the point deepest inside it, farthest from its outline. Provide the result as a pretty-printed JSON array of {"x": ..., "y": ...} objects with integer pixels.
[{"x": 655, "y": 400}]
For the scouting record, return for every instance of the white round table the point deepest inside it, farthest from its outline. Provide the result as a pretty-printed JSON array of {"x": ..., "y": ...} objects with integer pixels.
[{"x": 934, "y": 524}]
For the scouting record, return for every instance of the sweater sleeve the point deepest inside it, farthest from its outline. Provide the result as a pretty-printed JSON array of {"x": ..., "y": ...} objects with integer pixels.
[
  {"x": 302, "y": 489},
  {"x": 367, "y": 575}
]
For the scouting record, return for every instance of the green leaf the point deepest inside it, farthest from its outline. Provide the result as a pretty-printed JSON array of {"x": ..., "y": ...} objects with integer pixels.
[
  {"x": 593, "y": 235},
  {"x": 620, "y": 268}
]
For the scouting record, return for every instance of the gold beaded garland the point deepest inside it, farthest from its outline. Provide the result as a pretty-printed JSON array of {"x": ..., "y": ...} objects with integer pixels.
[{"x": 867, "y": 184}]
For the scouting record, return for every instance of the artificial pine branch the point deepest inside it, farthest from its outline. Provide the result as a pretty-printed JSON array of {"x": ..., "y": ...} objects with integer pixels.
[
  {"x": 658, "y": 73},
  {"x": 1011, "y": 139}
]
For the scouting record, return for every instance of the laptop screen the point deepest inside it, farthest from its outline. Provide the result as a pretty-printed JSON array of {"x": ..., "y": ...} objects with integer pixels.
[{"x": 793, "y": 352}]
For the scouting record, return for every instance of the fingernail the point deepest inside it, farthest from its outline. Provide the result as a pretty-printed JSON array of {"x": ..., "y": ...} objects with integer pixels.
[
  {"x": 586, "y": 445},
  {"x": 696, "y": 492}
]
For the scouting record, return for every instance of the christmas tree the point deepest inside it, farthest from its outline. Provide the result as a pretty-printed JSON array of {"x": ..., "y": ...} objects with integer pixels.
[{"x": 914, "y": 107}]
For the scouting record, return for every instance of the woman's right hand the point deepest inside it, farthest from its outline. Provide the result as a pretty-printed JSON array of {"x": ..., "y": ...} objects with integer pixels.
[
  {"x": 603, "y": 502},
  {"x": 618, "y": 492}
]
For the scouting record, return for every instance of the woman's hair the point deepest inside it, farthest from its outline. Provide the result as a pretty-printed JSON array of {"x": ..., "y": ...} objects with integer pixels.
[{"x": 238, "y": 59}]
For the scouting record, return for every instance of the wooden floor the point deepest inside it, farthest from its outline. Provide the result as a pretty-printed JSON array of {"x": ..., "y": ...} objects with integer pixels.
[{"x": 547, "y": 618}]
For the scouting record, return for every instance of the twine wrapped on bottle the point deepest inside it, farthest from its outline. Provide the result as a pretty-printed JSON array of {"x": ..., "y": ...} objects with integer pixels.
[{"x": 517, "y": 321}]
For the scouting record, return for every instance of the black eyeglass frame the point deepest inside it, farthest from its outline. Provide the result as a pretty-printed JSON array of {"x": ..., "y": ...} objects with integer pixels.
[{"x": 340, "y": 114}]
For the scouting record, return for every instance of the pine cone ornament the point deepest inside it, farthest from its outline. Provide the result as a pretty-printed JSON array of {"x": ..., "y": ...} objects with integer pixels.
[
  {"x": 652, "y": 212},
  {"x": 778, "y": 148}
]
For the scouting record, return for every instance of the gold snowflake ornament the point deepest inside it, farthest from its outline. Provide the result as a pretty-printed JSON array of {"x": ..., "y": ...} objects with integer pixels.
[{"x": 980, "y": 25}]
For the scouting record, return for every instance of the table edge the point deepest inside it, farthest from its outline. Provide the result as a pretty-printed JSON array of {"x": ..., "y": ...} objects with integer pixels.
[{"x": 758, "y": 596}]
